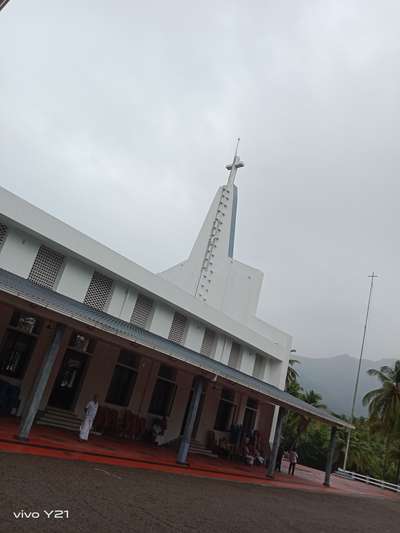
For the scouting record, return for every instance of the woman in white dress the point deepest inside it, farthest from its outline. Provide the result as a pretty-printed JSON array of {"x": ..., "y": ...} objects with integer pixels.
[{"x": 90, "y": 415}]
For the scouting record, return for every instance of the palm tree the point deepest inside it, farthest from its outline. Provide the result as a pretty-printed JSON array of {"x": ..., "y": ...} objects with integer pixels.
[
  {"x": 384, "y": 404},
  {"x": 313, "y": 398},
  {"x": 292, "y": 375}
]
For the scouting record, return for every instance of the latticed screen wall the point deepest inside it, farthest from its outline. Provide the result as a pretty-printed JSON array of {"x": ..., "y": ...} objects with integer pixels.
[
  {"x": 209, "y": 343},
  {"x": 142, "y": 311},
  {"x": 3, "y": 233},
  {"x": 46, "y": 268},
  {"x": 177, "y": 331},
  {"x": 234, "y": 357},
  {"x": 99, "y": 292}
]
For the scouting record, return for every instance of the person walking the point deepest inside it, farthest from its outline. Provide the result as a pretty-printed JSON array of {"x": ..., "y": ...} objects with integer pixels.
[
  {"x": 90, "y": 415},
  {"x": 293, "y": 458}
]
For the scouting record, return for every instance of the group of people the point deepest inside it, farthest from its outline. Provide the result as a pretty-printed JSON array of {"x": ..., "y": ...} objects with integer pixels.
[{"x": 251, "y": 453}]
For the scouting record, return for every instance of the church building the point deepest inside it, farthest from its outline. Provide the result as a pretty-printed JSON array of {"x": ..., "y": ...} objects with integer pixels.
[{"x": 184, "y": 345}]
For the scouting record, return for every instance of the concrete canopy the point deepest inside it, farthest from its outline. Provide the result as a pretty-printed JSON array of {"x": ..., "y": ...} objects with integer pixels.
[{"x": 66, "y": 307}]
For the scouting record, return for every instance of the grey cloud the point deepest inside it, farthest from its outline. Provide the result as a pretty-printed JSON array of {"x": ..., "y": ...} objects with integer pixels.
[{"x": 119, "y": 118}]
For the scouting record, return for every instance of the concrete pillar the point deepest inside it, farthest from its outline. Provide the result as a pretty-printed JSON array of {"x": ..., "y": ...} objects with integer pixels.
[
  {"x": 277, "y": 442},
  {"x": 190, "y": 420},
  {"x": 329, "y": 462},
  {"x": 40, "y": 384}
]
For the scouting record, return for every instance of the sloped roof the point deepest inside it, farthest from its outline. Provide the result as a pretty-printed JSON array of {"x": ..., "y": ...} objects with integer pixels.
[{"x": 51, "y": 300}]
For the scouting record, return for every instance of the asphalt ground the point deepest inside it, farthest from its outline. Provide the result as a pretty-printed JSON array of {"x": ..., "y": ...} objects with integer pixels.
[{"x": 103, "y": 498}]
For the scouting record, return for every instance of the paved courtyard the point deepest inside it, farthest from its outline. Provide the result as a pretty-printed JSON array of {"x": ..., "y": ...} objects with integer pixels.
[
  {"x": 106, "y": 498},
  {"x": 56, "y": 443}
]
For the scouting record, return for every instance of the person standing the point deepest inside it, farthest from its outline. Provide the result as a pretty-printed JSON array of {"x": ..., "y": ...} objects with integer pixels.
[
  {"x": 90, "y": 415},
  {"x": 293, "y": 458}
]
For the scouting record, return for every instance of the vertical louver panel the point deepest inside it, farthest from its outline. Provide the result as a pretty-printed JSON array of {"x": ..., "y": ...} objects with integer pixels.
[
  {"x": 3, "y": 233},
  {"x": 259, "y": 367},
  {"x": 209, "y": 343},
  {"x": 99, "y": 291},
  {"x": 234, "y": 357},
  {"x": 142, "y": 311},
  {"x": 46, "y": 268},
  {"x": 177, "y": 331}
]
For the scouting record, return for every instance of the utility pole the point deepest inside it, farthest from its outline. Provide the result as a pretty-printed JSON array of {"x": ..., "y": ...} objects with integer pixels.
[{"x": 346, "y": 455}]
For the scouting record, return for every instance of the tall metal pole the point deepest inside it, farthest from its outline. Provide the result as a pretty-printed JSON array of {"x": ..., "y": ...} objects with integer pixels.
[{"x": 346, "y": 455}]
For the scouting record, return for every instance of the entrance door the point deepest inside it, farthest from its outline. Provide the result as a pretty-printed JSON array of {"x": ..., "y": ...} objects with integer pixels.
[
  {"x": 69, "y": 379},
  {"x": 198, "y": 415}
]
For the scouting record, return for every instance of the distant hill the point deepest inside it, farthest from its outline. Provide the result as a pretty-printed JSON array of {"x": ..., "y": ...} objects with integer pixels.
[{"x": 334, "y": 378}]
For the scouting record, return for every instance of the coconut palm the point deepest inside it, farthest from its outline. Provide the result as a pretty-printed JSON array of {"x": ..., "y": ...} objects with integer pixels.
[
  {"x": 313, "y": 398},
  {"x": 384, "y": 404},
  {"x": 292, "y": 375}
]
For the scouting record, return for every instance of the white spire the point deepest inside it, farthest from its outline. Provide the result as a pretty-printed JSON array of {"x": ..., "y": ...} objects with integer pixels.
[{"x": 236, "y": 163}]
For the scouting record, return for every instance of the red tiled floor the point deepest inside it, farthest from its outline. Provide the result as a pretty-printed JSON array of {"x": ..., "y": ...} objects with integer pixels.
[{"x": 51, "y": 442}]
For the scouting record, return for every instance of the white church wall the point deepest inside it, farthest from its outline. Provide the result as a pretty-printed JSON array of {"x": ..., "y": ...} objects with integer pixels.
[
  {"x": 117, "y": 300},
  {"x": 241, "y": 291},
  {"x": 226, "y": 350},
  {"x": 128, "y": 304},
  {"x": 194, "y": 335},
  {"x": 219, "y": 347},
  {"x": 75, "y": 279},
  {"x": 247, "y": 361},
  {"x": 18, "y": 252},
  {"x": 162, "y": 319},
  {"x": 278, "y": 337}
]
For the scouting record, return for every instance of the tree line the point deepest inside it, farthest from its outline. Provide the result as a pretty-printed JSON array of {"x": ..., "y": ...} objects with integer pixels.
[{"x": 375, "y": 441}]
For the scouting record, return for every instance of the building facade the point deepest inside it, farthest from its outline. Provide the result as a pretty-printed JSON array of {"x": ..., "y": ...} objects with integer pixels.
[{"x": 203, "y": 308}]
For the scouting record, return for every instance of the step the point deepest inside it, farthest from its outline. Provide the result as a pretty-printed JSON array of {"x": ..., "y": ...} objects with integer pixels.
[
  {"x": 206, "y": 453},
  {"x": 56, "y": 420},
  {"x": 57, "y": 425},
  {"x": 60, "y": 412},
  {"x": 200, "y": 449},
  {"x": 60, "y": 418}
]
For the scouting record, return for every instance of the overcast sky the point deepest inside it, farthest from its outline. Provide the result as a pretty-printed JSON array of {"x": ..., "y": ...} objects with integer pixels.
[{"x": 118, "y": 118}]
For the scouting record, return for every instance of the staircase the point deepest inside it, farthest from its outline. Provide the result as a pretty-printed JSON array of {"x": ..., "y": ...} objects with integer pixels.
[
  {"x": 59, "y": 418},
  {"x": 200, "y": 449}
]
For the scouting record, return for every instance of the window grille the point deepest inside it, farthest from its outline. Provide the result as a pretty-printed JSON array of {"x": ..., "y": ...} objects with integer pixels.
[
  {"x": 259, "y": 367},
  {"x": 209, "y": 343},
  {"x": 234, "y": 357},
  {"x": 3, "y": 233},
  {"x": 178, "y": 328},
  {"x": 46, "y": 268},
  {"x": 142, "y": 310},
  {"x": 99, "y": 291}
]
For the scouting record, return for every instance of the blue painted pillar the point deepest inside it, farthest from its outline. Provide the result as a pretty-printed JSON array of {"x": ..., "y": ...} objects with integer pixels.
[
  {"x": 331, "y": 452},
  {"x": 190, "y": 420},
  {"x": 40, "y": 384},
  {"x": 276, "y": 444}
]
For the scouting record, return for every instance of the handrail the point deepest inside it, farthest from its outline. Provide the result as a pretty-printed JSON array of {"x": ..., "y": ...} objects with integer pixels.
[{"x": 367, "y": 479}]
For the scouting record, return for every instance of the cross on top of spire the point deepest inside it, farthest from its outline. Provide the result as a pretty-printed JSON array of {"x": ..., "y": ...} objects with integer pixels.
[{"x": 236, "y": 163}]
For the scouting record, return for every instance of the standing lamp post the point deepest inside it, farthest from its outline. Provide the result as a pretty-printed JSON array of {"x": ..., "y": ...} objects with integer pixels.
[{"x": 346, "y": 455}]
